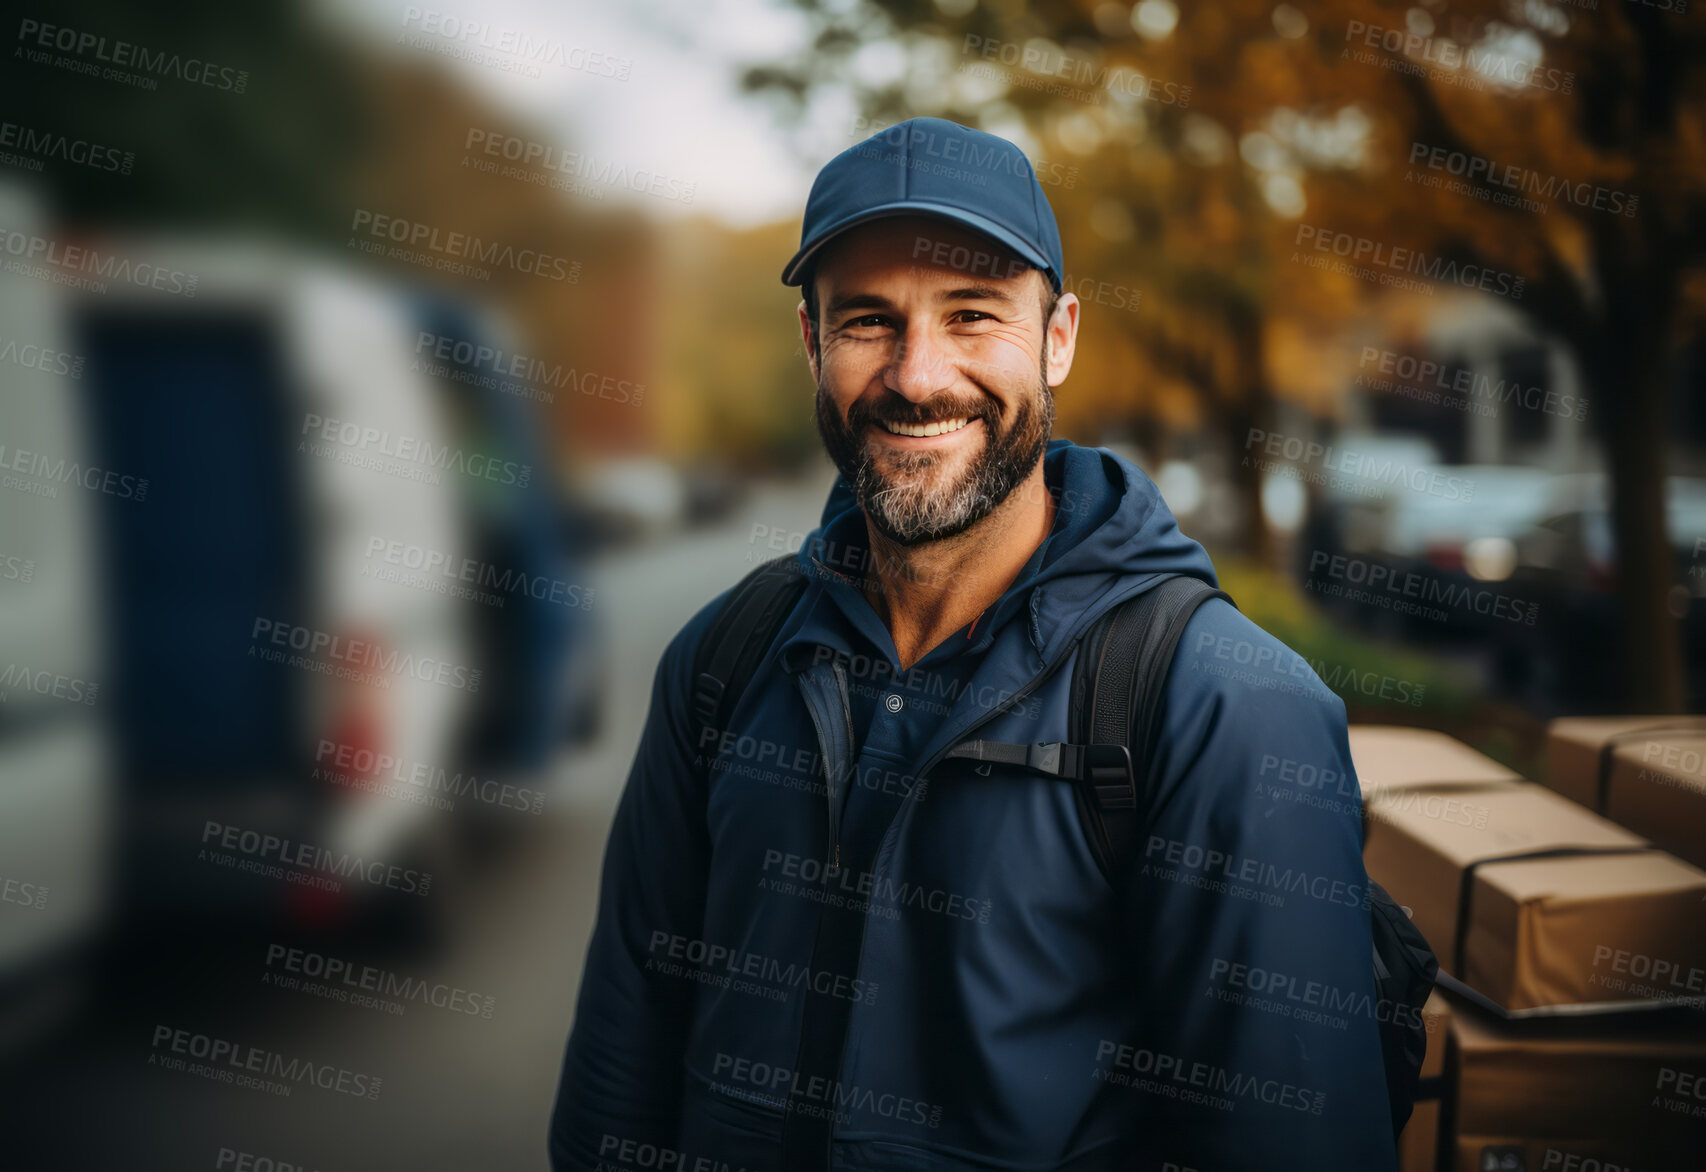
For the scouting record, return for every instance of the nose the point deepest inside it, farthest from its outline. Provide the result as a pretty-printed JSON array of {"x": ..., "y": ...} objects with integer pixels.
[{"x": 920, "y": 367}]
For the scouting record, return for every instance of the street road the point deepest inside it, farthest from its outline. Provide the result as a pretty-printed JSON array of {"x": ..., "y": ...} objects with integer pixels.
[{"x": 458, "y": 1092}]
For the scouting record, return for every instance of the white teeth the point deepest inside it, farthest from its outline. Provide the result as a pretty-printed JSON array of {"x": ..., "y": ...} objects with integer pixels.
[{"x": 925, "y": 429}]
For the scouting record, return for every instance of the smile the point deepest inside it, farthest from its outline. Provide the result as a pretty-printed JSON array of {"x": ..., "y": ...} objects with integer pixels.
[{"x": 941, "y": 427}]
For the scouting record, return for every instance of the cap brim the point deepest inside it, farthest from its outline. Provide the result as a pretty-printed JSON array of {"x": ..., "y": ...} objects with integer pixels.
[{"x": 1003, "y": 237}]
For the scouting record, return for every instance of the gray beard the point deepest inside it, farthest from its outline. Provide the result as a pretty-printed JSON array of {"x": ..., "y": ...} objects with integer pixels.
[{"x": 908, "y": 505}]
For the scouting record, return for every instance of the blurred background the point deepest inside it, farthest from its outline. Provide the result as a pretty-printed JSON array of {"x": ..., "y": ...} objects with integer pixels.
[{"x": 384, "y": 385}]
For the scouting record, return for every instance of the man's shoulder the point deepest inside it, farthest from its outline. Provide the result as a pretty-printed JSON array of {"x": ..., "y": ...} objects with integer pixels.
[
  {"x": 690, "y": 642},
  {"x": 1225, "y": 656}
]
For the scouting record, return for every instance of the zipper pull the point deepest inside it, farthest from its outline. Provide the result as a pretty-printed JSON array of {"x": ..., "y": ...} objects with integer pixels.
[{"x": 835, "y": 859}]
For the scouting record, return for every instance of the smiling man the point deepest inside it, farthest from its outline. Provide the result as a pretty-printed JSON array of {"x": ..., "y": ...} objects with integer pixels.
[{"x": 839, "y": 925}]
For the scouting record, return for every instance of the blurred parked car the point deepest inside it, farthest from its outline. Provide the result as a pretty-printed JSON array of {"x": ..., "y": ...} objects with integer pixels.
[
  {"x": 1566, "y": 561},
  {"x": 1446, "y": 542},
  {"x": 310, "y": 487},
  {"x": 546, "y": 658},
  {"x": 55, "y": 770},
  {"x": 628, "y": 498}
]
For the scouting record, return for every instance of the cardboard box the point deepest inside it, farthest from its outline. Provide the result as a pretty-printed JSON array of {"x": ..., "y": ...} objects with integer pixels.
[
  {"x": 1628, "y": 1091},
  {"x": 1543, "y": 932},
  {"x": 1644, "y": 772},
  {"x": 1515, "y": 1153},
  {"x": 1416, "y": 768},
  {"x": 1418, "y": 1143},
  {"x": 1390, "y": 757}
]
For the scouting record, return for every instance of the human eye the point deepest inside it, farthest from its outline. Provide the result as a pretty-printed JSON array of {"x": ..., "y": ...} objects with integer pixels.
[{"x": 866, "y": 325}]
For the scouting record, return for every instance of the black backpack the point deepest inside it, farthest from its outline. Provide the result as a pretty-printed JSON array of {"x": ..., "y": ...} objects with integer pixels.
[{"x": 1117, "y": 693}]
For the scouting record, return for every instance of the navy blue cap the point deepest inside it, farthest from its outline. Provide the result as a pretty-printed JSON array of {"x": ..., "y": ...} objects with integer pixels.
[{"x": 930, "y": 166}]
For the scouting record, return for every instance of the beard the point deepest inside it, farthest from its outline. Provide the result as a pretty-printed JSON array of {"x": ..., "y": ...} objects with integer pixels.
[{"x": 915, "y": 497}]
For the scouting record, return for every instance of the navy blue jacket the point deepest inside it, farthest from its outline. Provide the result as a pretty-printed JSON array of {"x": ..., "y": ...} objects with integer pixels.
[{"x": 810, "y": 920}]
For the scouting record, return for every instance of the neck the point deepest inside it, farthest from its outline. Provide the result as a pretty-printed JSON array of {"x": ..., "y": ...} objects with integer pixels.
[{"x": 926, "y": 592}]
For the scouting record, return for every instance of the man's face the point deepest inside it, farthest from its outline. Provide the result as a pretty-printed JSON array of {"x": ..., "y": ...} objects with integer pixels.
[{"x": 934, "y": 372}]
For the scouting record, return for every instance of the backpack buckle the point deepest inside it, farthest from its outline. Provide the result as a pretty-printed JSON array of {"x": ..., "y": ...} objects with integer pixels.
[{"x": 1107, "y": 768}]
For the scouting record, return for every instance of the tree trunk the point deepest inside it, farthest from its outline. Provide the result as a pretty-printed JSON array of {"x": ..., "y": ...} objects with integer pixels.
[
  {"x": 1631, "y": 368},
  {"x": 1251, "y": 408}
]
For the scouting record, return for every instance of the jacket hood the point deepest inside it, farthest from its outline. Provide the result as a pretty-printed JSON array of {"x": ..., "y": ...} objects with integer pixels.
[{"x": 1113, "y": 537}]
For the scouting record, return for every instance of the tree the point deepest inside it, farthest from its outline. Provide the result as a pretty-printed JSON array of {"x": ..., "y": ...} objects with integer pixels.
[{"x": 1316, "y": 109}]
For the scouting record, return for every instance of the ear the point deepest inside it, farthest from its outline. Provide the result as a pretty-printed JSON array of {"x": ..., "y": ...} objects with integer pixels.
[
  {"x": 1061, "y": 332},
  {"x": 806, "y": 329}
]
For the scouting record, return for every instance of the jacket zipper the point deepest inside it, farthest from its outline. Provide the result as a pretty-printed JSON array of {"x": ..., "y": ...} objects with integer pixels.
[
  {"x": 847, "y": 724},
  {"x": 935, "y": 758},
  {"x": 831, "y": 766}
]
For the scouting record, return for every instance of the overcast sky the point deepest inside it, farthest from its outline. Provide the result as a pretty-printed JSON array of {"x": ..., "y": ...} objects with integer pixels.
[{"x": 678, "y": 112}]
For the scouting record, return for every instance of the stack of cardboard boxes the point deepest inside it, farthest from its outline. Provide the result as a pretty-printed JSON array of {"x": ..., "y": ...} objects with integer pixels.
[
  {"x": 1588, "y": 935},
  {"x": 1644, "y": 772}
]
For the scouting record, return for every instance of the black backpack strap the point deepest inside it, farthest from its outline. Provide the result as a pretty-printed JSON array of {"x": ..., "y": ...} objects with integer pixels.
[
  {"x": 1119, "y": 689},
  {"x": 737, "y": 639}
]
